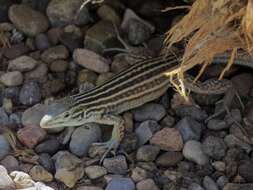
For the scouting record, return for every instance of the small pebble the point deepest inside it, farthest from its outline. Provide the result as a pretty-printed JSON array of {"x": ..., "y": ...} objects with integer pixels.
[
  {"x": 209, "y": 184},
  {"x": 83, "y": 137},
  {"x": 214, "y": 147},
  {"x": 193, "y": 152},
  {"x": 91, "y": 60},
  {"x": 13, "y": 78},
  {"x": 38, "y": 173},
  {"x": 139, "y": 174},
  {"x": 6, "y": 181},
  {"x": 68, "y": 168},
  {"x": 190, "y": 129},
  {"x": 42, "y": 42},
  {"x": 116, "y": 165},
  {"x": 120, "y": 183},
  {"x": 170, "y": 158},
  {"x": 46, "y": 161},
  {"x": 4, "y": 147},
  {"x": 23, "y": 64},
  {"x": 147, "y": 184},
  {"x": 94, "y": 172},
  {"x": 49, "y": 146},
  {"x": 149, "y": 111},
  {"x": 31, "y": 135},
  {"x": 30, "y": 94},
  {"x": 59, "y": 66},
  {"x": 147, "y": 153},
  {"x": 146, "y": 130},
  {"x": 10, "y": 163},
  {"x": 59, "y": 52},
  {"x": 168, "y": 139}
]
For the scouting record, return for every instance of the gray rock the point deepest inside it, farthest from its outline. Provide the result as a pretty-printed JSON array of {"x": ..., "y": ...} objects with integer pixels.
[
  {"x": 190, "y": 129},
  {"x": 46, "y": 161},
  {"x": 138, "y": 174},
  {"x": 4, "y": 147},
  {"x": 100, "y": 36},
  {"x": 59, "y": 66},
  {"x": 214, "y": 147},
  {"x": 129, "y": 142},
  {"x": 147, "y": 184},
  {"x": 71, "y": 40},
  {"x": 130, "y": 15},
  {"x": 195, "y": 186},
  {"x": 191, "y": 111},
  {"x": 116, "y": 165},
  {"x": 49, "y": 146},
  {"x": 42, "y": 42},
  {"x": 55, "y": 53},
  {"x": 106, "y": 12},
  {"x": 138, "y": 32},
  {"x": 232, "y": 141},
  {"x": 61, "y": 13},
  {"x": 68, "y": 168},
  {"x": 216, "y": 124},
  {"x": 39, "y": 74},
  {"x": 222, "y": 181},
  {"x": 168, "y": 121},
  {"x": 29, "y": 21},
  {"x": 4, "y": 118},
  {"x": 147, "y": 153},
  {"x": 149, "y": 111},
  {"x": 6, "y": 182},
  {"x": 209, "y": 184},
  {"x": 120, "y": 183},
  {"x": 170, "y": 158},
  {"x": 14, "y": 78},
  {"x": 22, "y": 64},
  {"x": 15, "y": 119},
  {"x": 83, "y": 137},
  {"x": 94, "y": 172},
  {"x": 11, "y": 93},
  {"x": 245, "y": 171},
  {"x": 146, "y": 130},
  {"x": 30, "y": 93},
  {"x": 10, "y": 163},
  {"x": 193, "y": 152},
  {"x": 34, "y": 114},
  {"x": 16, "y": 50}
]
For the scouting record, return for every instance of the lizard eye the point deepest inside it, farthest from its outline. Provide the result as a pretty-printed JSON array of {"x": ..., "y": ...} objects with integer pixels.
[{"x": 66, "y": 115}]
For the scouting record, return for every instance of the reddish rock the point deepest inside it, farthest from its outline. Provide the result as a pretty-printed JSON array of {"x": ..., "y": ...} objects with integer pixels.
[
  {"x": 31, "y": 135},
  {"x": 168, "y": 139}
]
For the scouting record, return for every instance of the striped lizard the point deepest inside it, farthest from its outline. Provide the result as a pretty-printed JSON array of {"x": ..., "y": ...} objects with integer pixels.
[{"x": 141, "y": 83}]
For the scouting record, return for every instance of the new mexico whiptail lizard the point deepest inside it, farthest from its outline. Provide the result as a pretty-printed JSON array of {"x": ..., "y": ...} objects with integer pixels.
[{"x": 133, "y": 87}]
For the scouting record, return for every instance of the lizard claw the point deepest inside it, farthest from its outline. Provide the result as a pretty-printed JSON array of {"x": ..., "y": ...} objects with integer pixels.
[{"x": 110, "y": 146}]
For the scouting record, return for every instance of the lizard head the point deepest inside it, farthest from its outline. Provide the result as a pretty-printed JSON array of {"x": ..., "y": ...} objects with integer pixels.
[{"x": 60, "y": 114}]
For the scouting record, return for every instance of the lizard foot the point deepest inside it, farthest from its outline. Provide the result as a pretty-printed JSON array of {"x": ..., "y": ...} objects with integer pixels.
[{"x": 110, "y": 146}]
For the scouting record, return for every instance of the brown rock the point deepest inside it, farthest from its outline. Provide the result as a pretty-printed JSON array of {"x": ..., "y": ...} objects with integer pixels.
[
  {"x": 29, "y": 21},
  {"x": 31, "y": 135},
  {"x": 91, "y": 60},
  {"x": 168, "y": 139}
]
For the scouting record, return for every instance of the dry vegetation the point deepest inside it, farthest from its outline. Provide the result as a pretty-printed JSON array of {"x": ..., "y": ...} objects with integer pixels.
[{"x": 212, "y": 27}]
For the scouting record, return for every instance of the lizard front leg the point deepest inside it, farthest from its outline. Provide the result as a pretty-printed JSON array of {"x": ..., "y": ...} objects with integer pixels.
[{"x": 117, "y": 132}]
